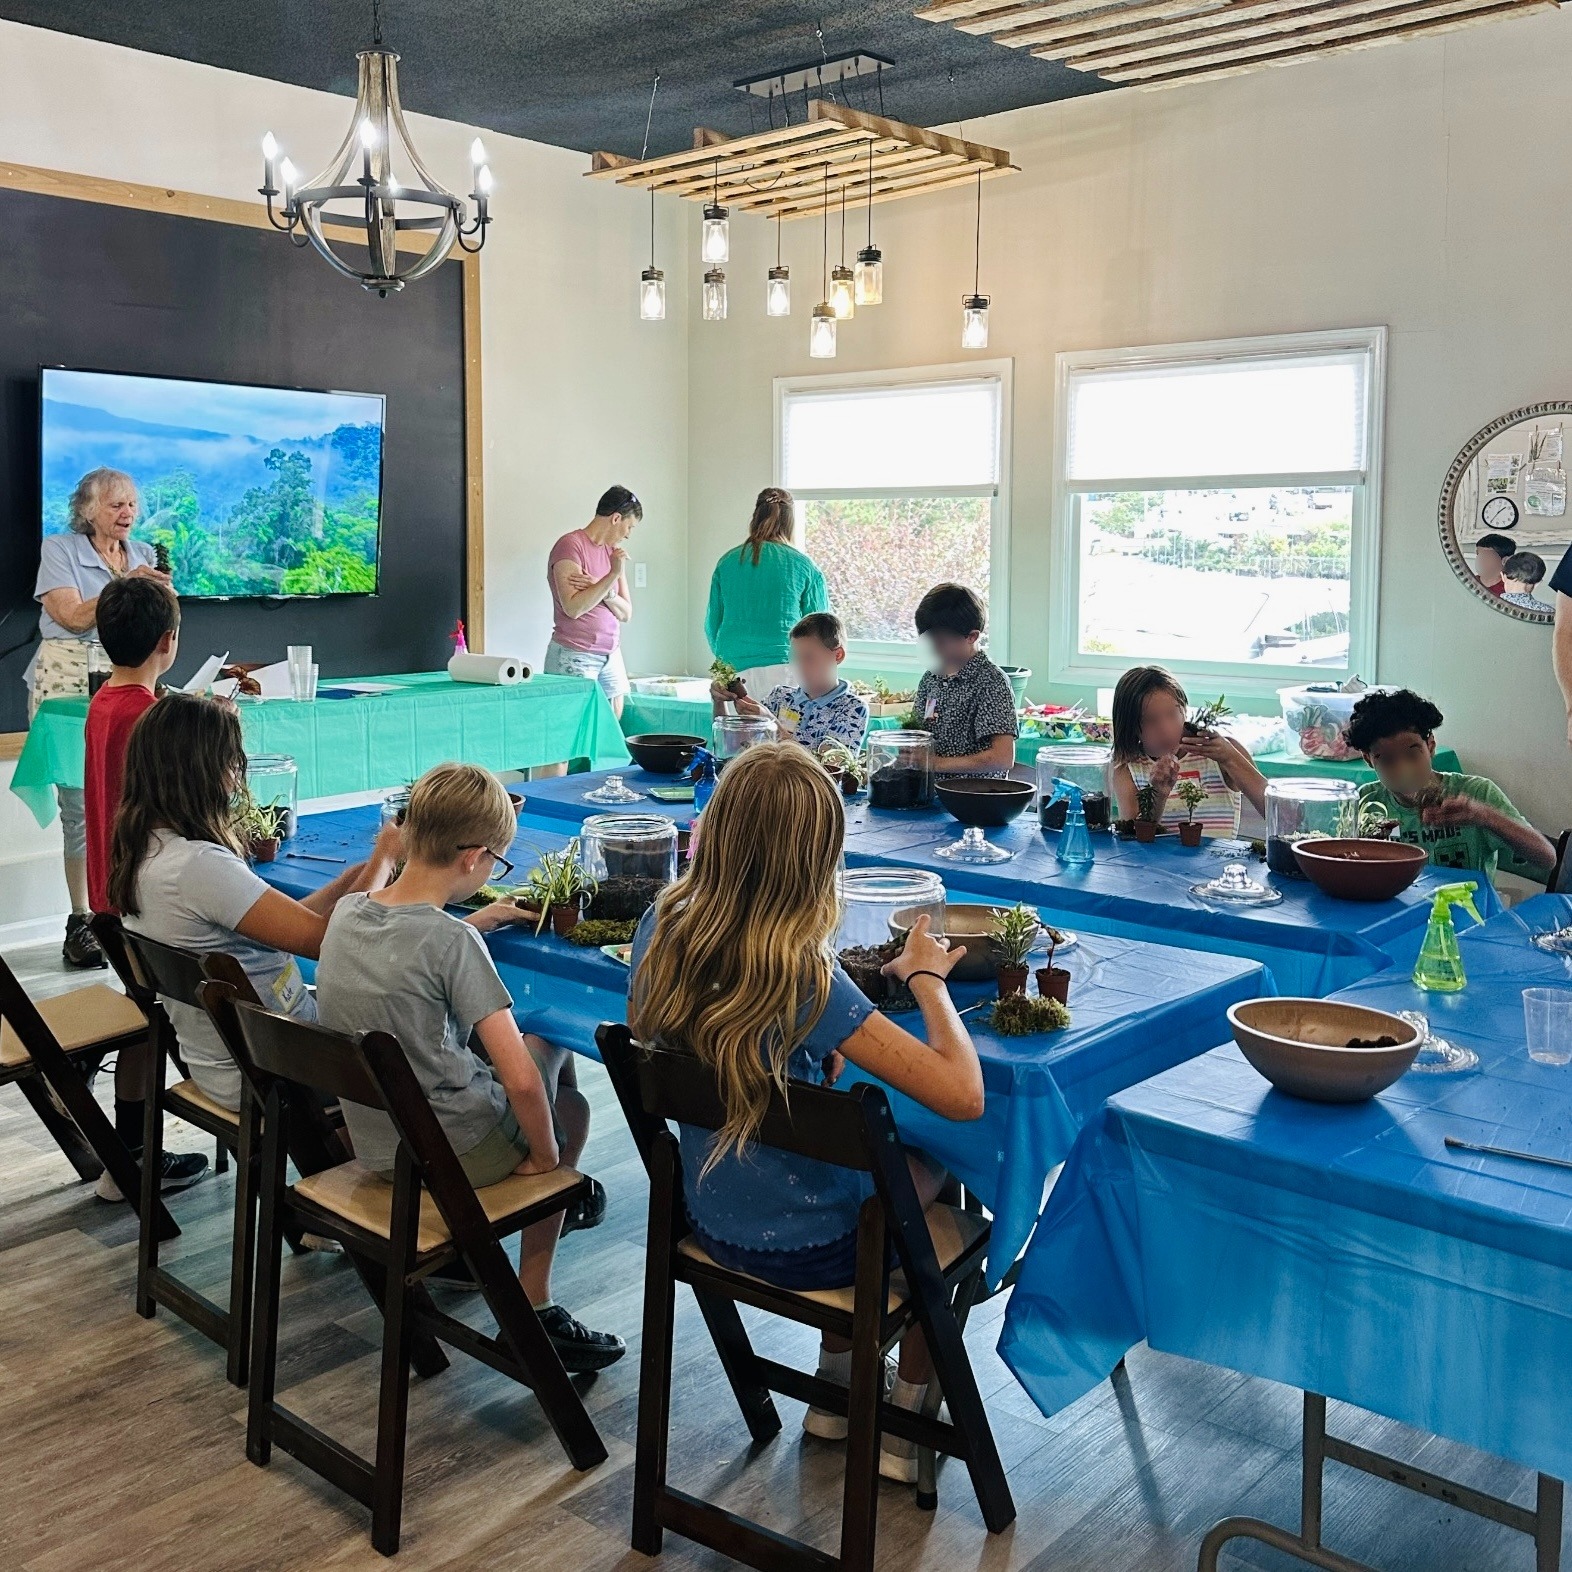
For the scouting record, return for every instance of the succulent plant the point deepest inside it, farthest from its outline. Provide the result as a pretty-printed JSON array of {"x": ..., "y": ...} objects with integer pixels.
[{"x": 1014, "y": 931}]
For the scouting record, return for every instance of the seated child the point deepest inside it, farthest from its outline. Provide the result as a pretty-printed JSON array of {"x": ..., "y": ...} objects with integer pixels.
[
  {"x": 735, "y": 964},
  {"x": 178, "y": 875},
  {"x": 394, "y": 961},
  {"x": 820, "y": 707},
  {"x": 1155, "y": 746},
  {"x": 964, "y": 700},
  {"x": 1519, "y": 576},
  {"x": 1462, "y": 821},
  {"x": 1490, "y": 555}
]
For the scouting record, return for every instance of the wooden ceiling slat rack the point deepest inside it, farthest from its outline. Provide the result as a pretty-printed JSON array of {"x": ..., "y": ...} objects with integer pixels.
[
  {"x": 1156, "y": 43},
  {"x": 782, "y": 170}
]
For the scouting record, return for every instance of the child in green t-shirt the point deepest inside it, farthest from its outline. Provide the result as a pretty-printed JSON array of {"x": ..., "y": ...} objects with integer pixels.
[{"x": 1462, "y": 821}]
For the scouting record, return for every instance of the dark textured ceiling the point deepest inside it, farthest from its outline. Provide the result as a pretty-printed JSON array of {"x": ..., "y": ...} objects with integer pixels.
[{"x": 577, "y": 72}]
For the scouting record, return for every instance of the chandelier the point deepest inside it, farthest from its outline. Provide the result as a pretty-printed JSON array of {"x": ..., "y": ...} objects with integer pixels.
[{"x": 361, "y": 179}]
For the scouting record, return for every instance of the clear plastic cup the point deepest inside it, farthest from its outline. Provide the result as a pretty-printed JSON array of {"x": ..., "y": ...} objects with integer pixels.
[
  {"x": 303, "y": 682},
  {"x": 1547, "y": 1015}
]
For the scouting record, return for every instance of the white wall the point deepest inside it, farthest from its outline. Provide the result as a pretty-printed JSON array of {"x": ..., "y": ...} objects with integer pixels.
[
  {"x": 1422, "y": 186},
  {"x": 578, "y": 392}
]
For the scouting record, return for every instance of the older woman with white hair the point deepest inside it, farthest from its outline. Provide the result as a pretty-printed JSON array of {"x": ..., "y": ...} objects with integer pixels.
[{"x": 73, "y": 568}]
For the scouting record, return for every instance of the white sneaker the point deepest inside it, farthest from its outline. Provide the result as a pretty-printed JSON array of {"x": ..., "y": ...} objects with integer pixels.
[
  {"x": 106, "y": 1189},
  {"x": 828, "y": 1426},
  {"x": 898, "y": 1458}
]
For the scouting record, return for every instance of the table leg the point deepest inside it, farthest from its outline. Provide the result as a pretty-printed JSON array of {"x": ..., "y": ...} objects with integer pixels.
[{"x": 1542, "y": 1524}]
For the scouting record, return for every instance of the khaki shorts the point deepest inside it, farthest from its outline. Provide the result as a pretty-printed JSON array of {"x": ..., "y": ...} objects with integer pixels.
[{"x": 497, "y": 1154}]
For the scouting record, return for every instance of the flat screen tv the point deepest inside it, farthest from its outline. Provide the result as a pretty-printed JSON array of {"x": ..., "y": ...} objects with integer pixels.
[{"x": 254, "y": 491}]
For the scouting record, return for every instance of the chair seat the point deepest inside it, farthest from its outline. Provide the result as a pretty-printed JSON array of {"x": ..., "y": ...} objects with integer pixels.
[
  {"x": 953, "y": 1233},
  {"x": 79, "y": 1019},
  {"x": 191, "y": 1094},
  {"x": 351, "y": 1191}
]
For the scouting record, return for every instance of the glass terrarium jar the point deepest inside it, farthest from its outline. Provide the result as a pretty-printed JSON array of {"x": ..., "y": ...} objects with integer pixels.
[
  {"x": 274, "y": 782},
  {"x": 878, "y": 903},
  {"x": 1305, "y": 808},
  {"x": 1086, "y": 767},
  {"x": 735, "y": 734},
  {"x": 629, "y": 846},
  {"x": 900, "y": 769}
]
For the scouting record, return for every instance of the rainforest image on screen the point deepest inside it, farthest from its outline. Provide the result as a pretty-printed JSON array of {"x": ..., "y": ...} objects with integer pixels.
[{"x": 253, "y": 491}]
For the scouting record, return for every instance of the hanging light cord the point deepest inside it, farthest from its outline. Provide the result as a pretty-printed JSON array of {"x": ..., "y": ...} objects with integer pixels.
[
  {"x": 843, "y": 223},
  {"x": 649, "y": 117},
  {"x": 977, "y": 251},
  {"x": 870, "y": 192},
  {"x": 777, "y": 237},
  {"x": 824, "y": 257},
  {"x": 376, "y": 24}
]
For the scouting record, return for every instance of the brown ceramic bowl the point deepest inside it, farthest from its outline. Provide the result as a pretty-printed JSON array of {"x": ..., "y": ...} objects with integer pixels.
[
  {"x": 966, "y": 927},
  {"x": 1360, "y": 870},
  {"x": 662, "y": 752},
  {"x": 984, "y": 800},
  {"x": 1301, "y": 1047}
]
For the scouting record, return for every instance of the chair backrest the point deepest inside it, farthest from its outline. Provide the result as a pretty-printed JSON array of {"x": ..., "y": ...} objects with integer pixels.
[
  {"x": 149, "y": 967},
  {"x": 1558, "y": 869},
  {"x": 816, "y": 1122}
]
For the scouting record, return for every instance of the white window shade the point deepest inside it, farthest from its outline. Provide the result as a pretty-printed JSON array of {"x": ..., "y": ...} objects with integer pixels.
[
  {"x": 1300, "y": 414},
  {"x": 898, "y": 438}
]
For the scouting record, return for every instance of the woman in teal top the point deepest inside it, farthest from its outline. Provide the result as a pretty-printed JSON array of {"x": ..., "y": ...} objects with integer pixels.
[{"x": 759, "y": 593}]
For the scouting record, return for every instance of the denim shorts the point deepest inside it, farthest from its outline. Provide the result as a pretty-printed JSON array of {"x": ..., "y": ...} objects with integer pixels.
[
  {"x": 604, "y": 667},
  {"x": 832, "y": 1265}
]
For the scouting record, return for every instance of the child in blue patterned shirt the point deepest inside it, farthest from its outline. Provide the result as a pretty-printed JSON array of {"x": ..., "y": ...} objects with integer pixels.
[{"x": 821, "y": 706}]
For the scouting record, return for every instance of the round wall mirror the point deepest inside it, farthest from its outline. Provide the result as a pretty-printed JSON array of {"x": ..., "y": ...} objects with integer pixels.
[{"x": 1503, "y": 515}]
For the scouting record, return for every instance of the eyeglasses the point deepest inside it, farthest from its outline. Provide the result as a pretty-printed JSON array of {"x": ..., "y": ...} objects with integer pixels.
[{"x": 500, "y": 869}]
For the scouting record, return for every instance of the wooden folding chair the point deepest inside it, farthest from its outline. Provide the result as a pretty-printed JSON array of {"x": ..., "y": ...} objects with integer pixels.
[
  {"x": 152, "y": 971},
  {"x": 428, "y": 1217},
  {"x": 939, "y": 1255},
  {"x": 47, "y": 1046}
]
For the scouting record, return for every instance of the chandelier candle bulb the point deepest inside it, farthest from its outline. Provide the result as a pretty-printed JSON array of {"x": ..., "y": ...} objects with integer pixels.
[{"x": 477, "y": 153}]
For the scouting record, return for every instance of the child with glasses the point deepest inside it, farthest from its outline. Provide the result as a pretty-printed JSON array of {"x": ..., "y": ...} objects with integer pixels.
[{"x": 393, "y": 960}]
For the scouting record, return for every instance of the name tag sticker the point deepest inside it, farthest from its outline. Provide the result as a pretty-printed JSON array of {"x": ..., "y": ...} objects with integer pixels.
[
  {"x": 931, "y": 709},
  {"x": 789, "y": 718},
  {"x": 289, "y": 988}
]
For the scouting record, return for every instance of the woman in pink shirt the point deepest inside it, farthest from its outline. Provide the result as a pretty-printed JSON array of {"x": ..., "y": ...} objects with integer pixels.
[{"x": 589, "y": 596}]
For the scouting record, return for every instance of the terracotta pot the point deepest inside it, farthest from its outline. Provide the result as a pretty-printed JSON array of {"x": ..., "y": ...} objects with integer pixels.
[
  {"x": 263, "y": 851},
  {"x": 850, "y": 785},
  {"x": 1012, "y": 979},
  {"x": 564, "y": 919},
  {"x": 1146, "y": 831},
  {"x": 1189, "y": 834},
  {"x": 1053, "y": 982}
]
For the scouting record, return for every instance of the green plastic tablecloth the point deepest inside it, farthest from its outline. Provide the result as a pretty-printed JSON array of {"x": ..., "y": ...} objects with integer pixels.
[
  {"x": 372, "y": 742},
  {"x": 648, "y": 712}
]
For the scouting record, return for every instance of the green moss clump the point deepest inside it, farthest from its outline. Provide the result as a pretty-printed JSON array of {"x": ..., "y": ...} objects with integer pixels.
[
  {"x": 594, "y": 932},
  {"x": 1022, "y": 1016}
]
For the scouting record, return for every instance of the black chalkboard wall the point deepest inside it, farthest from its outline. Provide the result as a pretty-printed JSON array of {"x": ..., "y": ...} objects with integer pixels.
[{"x": 122, "y": 289}]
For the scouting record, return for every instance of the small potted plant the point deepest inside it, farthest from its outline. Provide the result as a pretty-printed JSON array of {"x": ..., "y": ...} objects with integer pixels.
[
  {"x": 847, "y": 768},
  {"x": 1146, "y": 814},
  {"x": 1014, "y": 931},
  {"x": 723, "y": 675},
  {"x": 557, "y": 887},
  {"x": 886, "y": 701},
  {"x": 1206, "y": 718},
  {"x": 1192, "y": 794},
  {"x": 1053, "y": 982},
  {"x": 259, "y": 828}
]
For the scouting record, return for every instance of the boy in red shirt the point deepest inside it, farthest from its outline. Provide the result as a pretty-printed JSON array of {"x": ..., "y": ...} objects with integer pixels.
[{"x": 139, "y": 628}]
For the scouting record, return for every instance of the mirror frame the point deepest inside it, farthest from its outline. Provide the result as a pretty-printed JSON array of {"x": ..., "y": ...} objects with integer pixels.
[{"x": 1471, "y": 450}]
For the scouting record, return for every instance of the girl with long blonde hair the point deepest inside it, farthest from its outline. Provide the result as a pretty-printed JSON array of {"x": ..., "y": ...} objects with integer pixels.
[{"x": 736, "y": 964}]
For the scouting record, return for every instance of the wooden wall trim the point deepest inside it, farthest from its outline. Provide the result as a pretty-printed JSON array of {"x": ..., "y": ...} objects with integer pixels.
[{"x": 253, "y": 215}]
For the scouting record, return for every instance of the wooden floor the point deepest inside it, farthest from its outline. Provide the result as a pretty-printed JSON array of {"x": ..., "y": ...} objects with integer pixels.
[{"x": 122, "y": 1445}]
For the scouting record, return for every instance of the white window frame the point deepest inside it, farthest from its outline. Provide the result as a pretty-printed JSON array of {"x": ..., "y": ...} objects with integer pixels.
[
  {"x": 889, "y": 655},
  {"x": 1068, "y": 664}
]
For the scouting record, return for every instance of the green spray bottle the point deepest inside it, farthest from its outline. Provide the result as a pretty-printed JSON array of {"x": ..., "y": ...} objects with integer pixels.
[{"x": 1440, "y": 965}]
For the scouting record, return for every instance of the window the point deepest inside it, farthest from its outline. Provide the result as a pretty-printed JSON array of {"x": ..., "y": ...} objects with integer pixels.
[
  {"x": 898, "y": 487},
  {"x": 1218, "y": 508}
]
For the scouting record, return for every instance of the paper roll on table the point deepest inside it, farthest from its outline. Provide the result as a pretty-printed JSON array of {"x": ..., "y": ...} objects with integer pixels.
[{"x": 499, "y": 670}]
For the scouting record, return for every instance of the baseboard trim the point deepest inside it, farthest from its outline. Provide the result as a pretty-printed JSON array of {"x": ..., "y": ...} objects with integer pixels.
[{"x": 31, "y": 930}]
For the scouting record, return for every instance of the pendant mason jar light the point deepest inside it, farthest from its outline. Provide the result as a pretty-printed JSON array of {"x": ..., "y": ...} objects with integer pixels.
[
  {"x": 974, "y": 307},
  {"x": 715, "y": 295},
  {"x": 715, "y": 243},
  {"x": 821, "y": 329},
  {"x": 652, "y": 282},
  {"x": 777, "y": 289},
  {"x": 869, "y": 283},
  {"x": 843, "y": 294}
]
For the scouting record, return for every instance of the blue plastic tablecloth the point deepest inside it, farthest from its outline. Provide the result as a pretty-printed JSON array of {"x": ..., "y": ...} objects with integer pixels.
[
  {"x": 1311, "y": 943},
  {"x": 1344, "y": 1250},
  {"x": 1137, "y": 1009}
]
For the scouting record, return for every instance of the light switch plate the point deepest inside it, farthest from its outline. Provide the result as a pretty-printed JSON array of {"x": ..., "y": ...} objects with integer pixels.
[{"x": 640, "y": 575}]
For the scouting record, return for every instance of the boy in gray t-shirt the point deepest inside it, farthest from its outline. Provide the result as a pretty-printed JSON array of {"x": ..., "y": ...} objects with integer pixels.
[{"x": 395, "y": 961}]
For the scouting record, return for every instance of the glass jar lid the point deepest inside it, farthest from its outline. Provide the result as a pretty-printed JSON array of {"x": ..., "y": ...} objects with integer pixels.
[
  {"x": 1074, "y": 753},
  {"x": 1311, "y": 788},
  {"x": 271, "y": 764}
]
